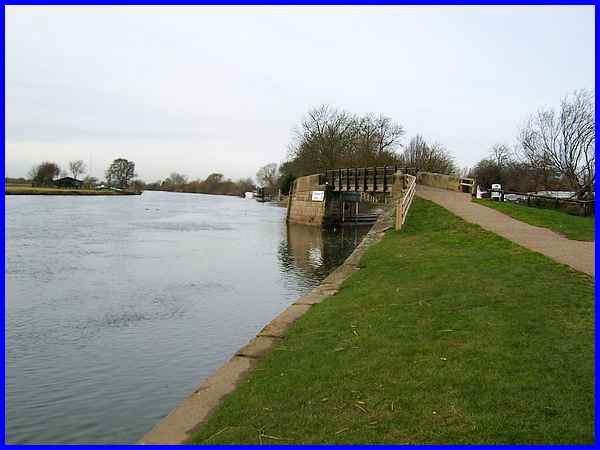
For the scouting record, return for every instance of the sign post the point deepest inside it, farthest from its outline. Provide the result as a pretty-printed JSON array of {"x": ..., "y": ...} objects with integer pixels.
[{"x": 318, "y": 196}]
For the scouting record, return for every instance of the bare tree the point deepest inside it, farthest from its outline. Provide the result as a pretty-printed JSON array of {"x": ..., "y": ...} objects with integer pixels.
[
  {"x": 268, "y": 176},
  {"x": 245, "y": 185},
  {"x": 77, "y": 168},
  {"x": 90, "y": 182},
  {"x": 494, "y": 168},
  {"x": 564, "y": 141},
  {"x": 501, "y": 154},
  {"x": 376, "y": 140},
  {"x": 464, "y": 172},
  {"x": 427, "y": 157},
  {"x": 120, "y": 173},
  {"x": 213, "y": 182},
  {"x": 178, "y": 178},
  {"x": 330, "y": 138},
  {"x": 503, "y": 166},
  {"x": 323, "y": 140},
  {"x": 44, "y": 173},
  {"x": 175, "y": 181},
  {"x": 138, "y": 185}
]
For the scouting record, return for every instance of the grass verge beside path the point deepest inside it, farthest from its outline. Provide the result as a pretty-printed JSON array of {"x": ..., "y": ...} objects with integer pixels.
[
  {"x": 573, "y": 227},
  {"x": 448, "y": 334}
]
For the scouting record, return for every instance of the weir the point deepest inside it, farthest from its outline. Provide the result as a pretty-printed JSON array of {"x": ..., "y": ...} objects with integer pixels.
[{"x": 326, "y": 199}]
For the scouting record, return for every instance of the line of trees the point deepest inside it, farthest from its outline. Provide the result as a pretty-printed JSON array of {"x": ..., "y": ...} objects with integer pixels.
[
  {"x": 120, "y": 174},
  {"x": 327, "y": 138},
  {"x": 46, "y": 172},
  {"x": 554, "y": 150},
  {"x": 215, "y": 183},
  {"x": 331, "y": 138},
  {"x": 427, "y": 156}
]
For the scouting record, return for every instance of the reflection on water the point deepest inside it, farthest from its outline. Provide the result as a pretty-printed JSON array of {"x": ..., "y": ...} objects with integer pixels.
[
  {"x": 118, "y": 307},
  {"x": 314, "y": 253}
]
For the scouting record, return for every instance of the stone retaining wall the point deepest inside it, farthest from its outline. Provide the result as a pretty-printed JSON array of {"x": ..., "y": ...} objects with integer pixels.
[
  {"x": 301, "y": 207},
  {"x": 438, "y": 180},
  {"x": 449, "y": 182}
]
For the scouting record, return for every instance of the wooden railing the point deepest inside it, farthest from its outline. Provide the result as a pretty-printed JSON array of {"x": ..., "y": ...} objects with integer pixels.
[
  {"x": 363, "y": 179},
  {"x": 406, "y": 201}
]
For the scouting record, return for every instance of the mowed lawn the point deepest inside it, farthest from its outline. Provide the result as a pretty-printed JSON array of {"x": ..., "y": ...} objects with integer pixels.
[
  {"x": 448, "y": 334},
  {"x": 573, "y": 227}
]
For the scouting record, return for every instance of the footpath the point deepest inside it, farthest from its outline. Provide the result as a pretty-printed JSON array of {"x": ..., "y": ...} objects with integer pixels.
[{"x": 577, "y": 254}]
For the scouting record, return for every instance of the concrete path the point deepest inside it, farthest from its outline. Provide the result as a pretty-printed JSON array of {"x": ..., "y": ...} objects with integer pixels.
[{"x": 577, "y": 254}]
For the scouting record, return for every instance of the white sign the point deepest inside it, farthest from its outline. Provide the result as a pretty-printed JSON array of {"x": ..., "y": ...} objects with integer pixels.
[{"x": 318, "y": 196}]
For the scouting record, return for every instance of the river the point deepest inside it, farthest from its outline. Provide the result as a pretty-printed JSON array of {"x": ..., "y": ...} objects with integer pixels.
[{"x": 116, "y": 308}]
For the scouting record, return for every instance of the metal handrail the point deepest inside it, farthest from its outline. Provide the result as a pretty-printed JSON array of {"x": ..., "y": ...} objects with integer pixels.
[{"x": 359, "y": 178}]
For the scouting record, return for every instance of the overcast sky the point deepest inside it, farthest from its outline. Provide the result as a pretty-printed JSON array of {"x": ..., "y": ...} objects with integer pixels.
[{"x": 219, "y": 89}]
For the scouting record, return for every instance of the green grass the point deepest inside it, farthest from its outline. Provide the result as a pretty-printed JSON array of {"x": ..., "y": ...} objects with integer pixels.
[
  {"x": 573, "y": 227},
  {"x": 19, "y": 189},
  {"x": 448, "y": 334}
]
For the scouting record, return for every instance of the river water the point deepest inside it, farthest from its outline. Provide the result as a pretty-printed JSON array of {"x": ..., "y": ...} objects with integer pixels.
[{"x": 118, "y": 307}]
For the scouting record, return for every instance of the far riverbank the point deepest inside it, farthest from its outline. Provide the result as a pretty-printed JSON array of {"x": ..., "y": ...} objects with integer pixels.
[{"x": 29, "y": 190}]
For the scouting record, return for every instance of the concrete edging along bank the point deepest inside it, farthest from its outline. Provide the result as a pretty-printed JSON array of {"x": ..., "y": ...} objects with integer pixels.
[{"x": 187, "y": 418}]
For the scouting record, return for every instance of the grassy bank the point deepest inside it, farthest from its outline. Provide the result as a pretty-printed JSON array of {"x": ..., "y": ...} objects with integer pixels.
[
  {"x": 448, "y": 334},
  {"x": 573, "y": 227},
  {"x": 19, "y": 189}
]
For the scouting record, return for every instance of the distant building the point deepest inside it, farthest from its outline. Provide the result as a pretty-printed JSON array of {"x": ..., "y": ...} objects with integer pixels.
[{"x": 68, "y": 182}]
